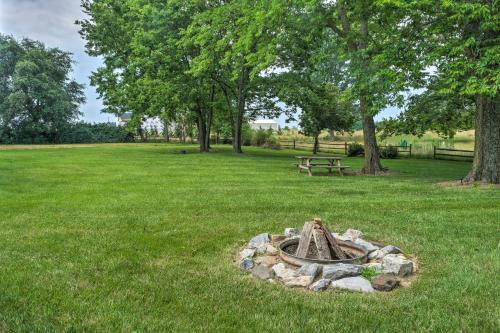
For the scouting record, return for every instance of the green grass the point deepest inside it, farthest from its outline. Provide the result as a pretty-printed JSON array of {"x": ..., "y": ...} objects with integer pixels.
[{"x": 121, "y": 238}]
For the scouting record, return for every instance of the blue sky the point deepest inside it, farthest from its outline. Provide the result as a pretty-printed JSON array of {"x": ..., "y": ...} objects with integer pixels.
[{"x": 52, "y": 22}]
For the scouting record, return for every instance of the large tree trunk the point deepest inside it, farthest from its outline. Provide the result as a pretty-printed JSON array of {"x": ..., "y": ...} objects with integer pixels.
[
  {"x": 202, "y": 131},
  {"x": 372, "y": 164},
  {"x": 486, "y": 164},
  {"x": 240, "y": 112}
]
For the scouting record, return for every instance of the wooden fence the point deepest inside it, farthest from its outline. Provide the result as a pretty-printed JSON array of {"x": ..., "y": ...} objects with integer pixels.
[
  {"x": 453, "y": 154},
  {"x": 332, "y": 147}
]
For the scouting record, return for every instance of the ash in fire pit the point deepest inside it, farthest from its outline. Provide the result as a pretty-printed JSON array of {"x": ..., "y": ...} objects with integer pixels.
[{"x": 326, "y": 260}]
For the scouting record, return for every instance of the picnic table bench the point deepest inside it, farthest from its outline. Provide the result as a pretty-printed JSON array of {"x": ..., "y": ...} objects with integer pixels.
[{"x": 333, "y": 162}]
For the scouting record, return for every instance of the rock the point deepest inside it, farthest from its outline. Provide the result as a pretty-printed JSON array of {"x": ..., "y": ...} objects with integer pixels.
[
  {"x": 352, "y": 234},
  {"x": 299, "y": 281},
  {"x": 267, "y": 261},
  {"x": 377, "y": 254},
  {"x": 291, "y": 232},
  {"x": 247, "y": 253},
  {"x": 284, "y": 273},
  {"x": 366, "y": 245},
  {"x": 320, "y": 285},
  {"x": 259, "y": 240},
  {"x": 356, "y": 283},
  {"x": 263, "y": 272},
  {"x": 260, "y": 248},
  {"x": 397, "y": 264},
  {"x": 271, "y": 250},
  {"x": 385, "y": 282},
  {"x": 310, "y": 270},
  {"x": 277, "y": 238},
  {"x": 391, "y": 249},
  {"x": 246, "y": 264},
  {"x": 375, "y": 266},
  {"x": 338, "y": 271}
]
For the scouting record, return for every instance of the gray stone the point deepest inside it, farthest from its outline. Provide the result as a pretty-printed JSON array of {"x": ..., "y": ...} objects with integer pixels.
[
  {"x": 385, "y": 282},
  {"x": 260, "y": 248},
  {"x": 397, "y": 264},
  {"x": 291, "y": 232},
  {"x": 298, "y": 281},
  {"x": 263, "y": 272},
  {"x": 391, "y": 249},
  {"x": 352, "y": 234},
  {"x": 375, "y": 266},
  {"x": 337, "y": 236},
  {"x": 310, "y": 270},
  {"x": 284, "y": 273},
  {"x": 377, "y": 254},
  {"x": 320, "y": 285},
  {"x": 338, "y": 271},
  {"x": 366, "y": 245},
  {"x": 356, "y": 283},
  {"x": 247, "y": 253},
  {"x": 259, "y": 240},
  {"x": 247, "y": 264}
]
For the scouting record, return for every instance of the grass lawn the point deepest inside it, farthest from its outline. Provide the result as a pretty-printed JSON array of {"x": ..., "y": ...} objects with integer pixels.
[{"x": 123, "y": 238}]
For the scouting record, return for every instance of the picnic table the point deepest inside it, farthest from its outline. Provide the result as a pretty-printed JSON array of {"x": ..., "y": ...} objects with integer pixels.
[{"x": 332, "y": 162}]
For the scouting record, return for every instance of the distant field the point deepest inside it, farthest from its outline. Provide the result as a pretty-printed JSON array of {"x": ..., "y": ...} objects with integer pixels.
[
  {"x": 138, "y": 237},
  {"x": 421, "y": 147}
]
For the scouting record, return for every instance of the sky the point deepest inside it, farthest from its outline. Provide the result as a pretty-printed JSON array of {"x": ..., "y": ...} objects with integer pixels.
[{"x": 53, "y": 23}]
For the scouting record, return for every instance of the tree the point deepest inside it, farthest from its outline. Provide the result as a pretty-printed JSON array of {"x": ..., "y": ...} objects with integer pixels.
[
  {"x": 366, "y": 36},
  {"x": 459, "y": 45},
  {"x": 37, "y": 97}
]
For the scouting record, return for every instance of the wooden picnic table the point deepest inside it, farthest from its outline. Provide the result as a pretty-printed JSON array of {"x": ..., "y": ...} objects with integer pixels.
[{"x": 333, "y": 162}]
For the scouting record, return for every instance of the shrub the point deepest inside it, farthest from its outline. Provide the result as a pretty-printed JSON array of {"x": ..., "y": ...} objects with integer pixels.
[
  {"x": 260, "y": 137},
  {"x": 273, "y": 143},
  {"x": 355, "y": 149},
  {"x": 389, "y": 152},
  {"x": 94, "y": 133}
]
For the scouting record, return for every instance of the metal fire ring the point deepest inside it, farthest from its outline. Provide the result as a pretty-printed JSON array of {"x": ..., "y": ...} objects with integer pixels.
[{"x": 361, "y": 254}]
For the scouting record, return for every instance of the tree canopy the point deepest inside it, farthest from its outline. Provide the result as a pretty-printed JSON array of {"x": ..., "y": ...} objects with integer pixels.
[{"x": 38, "y": 99}]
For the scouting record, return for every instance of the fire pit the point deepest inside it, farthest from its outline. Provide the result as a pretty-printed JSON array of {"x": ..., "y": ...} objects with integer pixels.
[{"x": 317, "y": 259}]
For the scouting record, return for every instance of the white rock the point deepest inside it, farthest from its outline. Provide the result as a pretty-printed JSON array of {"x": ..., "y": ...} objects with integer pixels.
[
  {"x": 352, "y": 234},
  {"x": 366, "y": 245},
  {"x": 374, "y": 265},
  {"x": 397, "y": 264},
  {"x": 337, "y": 236},
  {"x": 284, "y": 273},
  {"x": 299, "y": 281},
  {"x": 292, "y": 232},
  {"x": 377, "y": 254},
  {"x": 356, "y": 283},
  {"x": 338, "y": 271},
  {"x": 247, "y": 253}
]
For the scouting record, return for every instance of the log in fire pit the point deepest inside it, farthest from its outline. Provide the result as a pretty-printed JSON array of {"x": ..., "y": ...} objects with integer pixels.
[{"x": 316, "y": 244}]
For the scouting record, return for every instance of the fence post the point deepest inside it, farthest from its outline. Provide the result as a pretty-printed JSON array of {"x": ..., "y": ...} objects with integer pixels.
[
  {"x": 293, "y": 144},
  {"x": 434, "y": 152},
  {"x": 410, "y": 150},
  {"x": 345, "y": 148}
]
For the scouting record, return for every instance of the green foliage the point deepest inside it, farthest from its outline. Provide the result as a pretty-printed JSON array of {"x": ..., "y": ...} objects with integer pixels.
[
  {"x": 388, "y": 152},
  {"x": 265, "y": 138},
  {"x": 37, "y": 97},
  {"x": 355, "y": 149},
  {"x": 94, "y": 133},
  {"x": 369, "y": 273}
]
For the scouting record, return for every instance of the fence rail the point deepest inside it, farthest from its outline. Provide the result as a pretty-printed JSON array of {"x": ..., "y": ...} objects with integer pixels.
[
  {"x": 332, "y": 147},
  {"x": 453, "y": 154}
]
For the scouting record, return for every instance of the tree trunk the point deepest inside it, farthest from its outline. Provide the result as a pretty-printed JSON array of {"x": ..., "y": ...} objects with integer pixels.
[
  {"x": 316, "y": 145},
  {"x": 372, "y": 164},
  {"x": 240, "y": 112},
  {"x": 202, "y": 130},
  {"x": 486, "y": 164}
]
